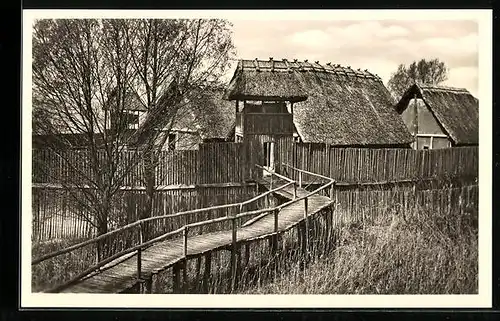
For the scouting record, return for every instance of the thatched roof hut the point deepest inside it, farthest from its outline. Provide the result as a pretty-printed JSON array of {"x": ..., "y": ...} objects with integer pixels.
[
  {"x": 207, "y": 114},
  {"x": 456, "y": 110},
  {"x": 332, "y": 104}
]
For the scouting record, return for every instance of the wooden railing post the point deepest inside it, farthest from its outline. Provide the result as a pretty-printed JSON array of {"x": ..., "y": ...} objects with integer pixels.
[
  {"x": 300, "y": 179},
  {"x": 139, "y": 254},
  {"x": 274, "y": 238},
  {"x": 294, "y": 190},
  {"x": 233, "y": 253},
  {"x": 306, "y": 220},
  {"x": 185, "y": 235},
  {"x": 276, "y": 211},
  {"x": 184, "y": 263}
]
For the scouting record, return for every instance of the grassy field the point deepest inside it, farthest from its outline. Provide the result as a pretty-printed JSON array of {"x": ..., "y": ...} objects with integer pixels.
[{"x": 430, "y": 253}]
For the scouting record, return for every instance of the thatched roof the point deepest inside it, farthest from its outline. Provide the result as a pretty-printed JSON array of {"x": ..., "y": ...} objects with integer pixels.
[
  {"x": 343, "y": 107},
  {"x": 208, "y": 114},
  {"x": 455, "y": 109}
]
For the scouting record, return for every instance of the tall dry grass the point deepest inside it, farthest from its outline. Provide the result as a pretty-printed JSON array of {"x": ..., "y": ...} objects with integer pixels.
[{"x": 427, "y": 253}]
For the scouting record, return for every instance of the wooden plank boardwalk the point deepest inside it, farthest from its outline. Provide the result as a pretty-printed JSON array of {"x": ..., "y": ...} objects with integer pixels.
[{"x": 122, "y": 274}]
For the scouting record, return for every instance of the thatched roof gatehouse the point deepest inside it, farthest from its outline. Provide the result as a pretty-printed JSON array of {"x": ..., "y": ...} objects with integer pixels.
[{"x": 330, "y": 104}]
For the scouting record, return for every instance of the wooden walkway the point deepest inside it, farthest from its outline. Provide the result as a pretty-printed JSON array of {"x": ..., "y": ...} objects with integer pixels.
[{"x": 122, "y": 273}]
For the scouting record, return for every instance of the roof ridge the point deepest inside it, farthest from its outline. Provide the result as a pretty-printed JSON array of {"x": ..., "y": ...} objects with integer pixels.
[
  {"x": 304, "y": 66},
  {"x": 443, "y": 88}
]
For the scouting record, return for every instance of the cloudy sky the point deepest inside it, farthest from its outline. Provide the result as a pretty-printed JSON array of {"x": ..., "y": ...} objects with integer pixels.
[{"x": 379, "y": 46}]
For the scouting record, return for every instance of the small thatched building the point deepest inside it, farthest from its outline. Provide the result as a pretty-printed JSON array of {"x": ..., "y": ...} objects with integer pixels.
[
  {"x": 205, "y": 117},
  {"x": 440, "y": 117}
]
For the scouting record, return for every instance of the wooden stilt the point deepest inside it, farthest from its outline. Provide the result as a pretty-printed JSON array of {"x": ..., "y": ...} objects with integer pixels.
[
  {"x": 328, "y": 234},
  {"x": 306, "y": 222},
  {"x": 234, "y": 267},
  {"x": 206, "y": 272},
  {"x": 147, "y": 284},
  {"x": 233, "y": 254},
  {"x": 299, "y": 235},
  {"x": 303, "y": 240},
  {"x": 238, "y": 267},
  {"x": 176, "y": 278},
  {"x": 185, "y": 283},
  {"x": 247, "y": 254},
  {"x": 198, "y": 268},
  {"x": 273, "y": 240}
]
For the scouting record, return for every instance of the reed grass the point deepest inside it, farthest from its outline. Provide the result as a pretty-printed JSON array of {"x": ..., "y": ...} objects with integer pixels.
[{"x": 427, "y": 253}]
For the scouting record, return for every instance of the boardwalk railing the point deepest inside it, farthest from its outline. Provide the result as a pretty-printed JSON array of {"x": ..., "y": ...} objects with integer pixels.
[
  {"x": 273, "y": 173},
  {"x": 330, "y": 184},
  {"x": 118, "y": 245},
  {"x": 112, "y": 247}
]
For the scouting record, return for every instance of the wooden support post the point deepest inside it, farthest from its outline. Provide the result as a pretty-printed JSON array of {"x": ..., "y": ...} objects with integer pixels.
[
  {"x": 233, "y": 254},
  {"x": 185, "y": 285},
  {"x": 176, "y": 277},
  {"x": 306, "y": 221},
  {"x": 415, "y": 198},
  {"x": 185, "y": 236},
  {"x": 149, "y": 284},
  {"x": 198, "y": 270},
  {"x": 302, "y": 241},
  {"x": 299, "y": 234},
  {"x": 145, "y": 285},
  {"x": 294, "y": 190},
  {"x": 273, "y": 240},
  {"x": 329, "y": 227},
  {"x": 139, "y": 255},
  {"x": 415, "y": 120},
  {"x": 247, "y": 253},
  {"x": 206, "y": 272},
  {"x": 238, "y": 267},
  {"x": 300, "y": 179},
  {"x": 276, "y": 212}
]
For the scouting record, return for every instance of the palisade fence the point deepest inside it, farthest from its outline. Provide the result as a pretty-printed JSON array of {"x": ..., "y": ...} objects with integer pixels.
[
  {"x": 363, "y": 165},
  {"x": 184, "y": 178}
]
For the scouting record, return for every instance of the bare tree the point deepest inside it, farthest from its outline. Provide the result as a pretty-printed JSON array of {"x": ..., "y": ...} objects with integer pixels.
[
  {"x": 84, "y": 70},
  {"x": 76, "y": 66},
  {"x": 175, "y": 60},
  {"x": 424, "y": 71}
]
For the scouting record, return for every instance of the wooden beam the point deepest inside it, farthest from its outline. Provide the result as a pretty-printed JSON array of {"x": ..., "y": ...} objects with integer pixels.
[
  {"x": 415, "y": 120},
  {"x": 432, "y": 135}
]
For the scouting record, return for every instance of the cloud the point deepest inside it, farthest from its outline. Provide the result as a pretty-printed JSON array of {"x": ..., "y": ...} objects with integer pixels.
[
  {"x": 379, "y": 45},
  {"x": 466, "y": 77},
  {"x": 314, "y": 38}
]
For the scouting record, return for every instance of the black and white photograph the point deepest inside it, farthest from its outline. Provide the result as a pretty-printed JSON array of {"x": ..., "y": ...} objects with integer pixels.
[{"x": 277, "y": 158}]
